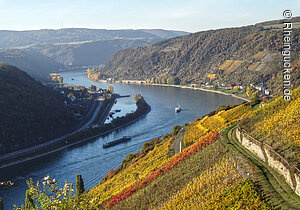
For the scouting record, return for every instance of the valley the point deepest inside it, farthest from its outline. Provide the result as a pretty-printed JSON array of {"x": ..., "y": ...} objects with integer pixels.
[{"x": 150, "y": 118}]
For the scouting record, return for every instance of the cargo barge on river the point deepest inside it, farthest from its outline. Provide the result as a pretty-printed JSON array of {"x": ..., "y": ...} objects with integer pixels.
[{"x": 118, "y": 141}]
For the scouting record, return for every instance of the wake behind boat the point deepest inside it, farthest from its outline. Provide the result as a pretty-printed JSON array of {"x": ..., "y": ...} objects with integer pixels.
[{"x": 118, "y": 141}]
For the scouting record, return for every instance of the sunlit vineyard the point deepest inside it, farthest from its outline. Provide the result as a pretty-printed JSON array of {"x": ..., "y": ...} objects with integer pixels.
[
  {"x": 277, "y": 123},
  {"x": 139, "y": 173},
  {"x": 164, "y": 168},
  {"x": 284, "y": 125},
  {"x": 135, "y": 172},
  {"x": 218, "y": 187},
  {"x": 204, "y": 191},
  {"x": 201, "y": 128},
  {"x": 242, "y": 196}
]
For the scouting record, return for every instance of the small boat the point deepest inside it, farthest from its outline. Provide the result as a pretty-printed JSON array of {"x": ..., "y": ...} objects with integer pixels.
[
  {"x": 178, "y": 108},
  {"x": 118, "y": 110},
  {"x": 118, "y": 141}
]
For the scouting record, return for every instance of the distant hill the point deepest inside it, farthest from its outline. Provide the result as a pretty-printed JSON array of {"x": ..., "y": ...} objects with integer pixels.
[
  {"x": 89, "y": 52},
  {"x": 14, "y": 39},
  {"x": 34, "y": 63},
  {"x": 30, "y": 113},
  {"x": 242, "y": 55},
  {"x": 41, "y": 52}
]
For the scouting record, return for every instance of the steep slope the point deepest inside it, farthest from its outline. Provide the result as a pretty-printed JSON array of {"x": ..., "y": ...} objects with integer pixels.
[
  {"x": 212, "y": 171},
  {"x": 30, "y": 113},
  {"x": 140, "y": 171},
  {"x": 277, "y": 124},
  {"x": 231, "y": 55}
]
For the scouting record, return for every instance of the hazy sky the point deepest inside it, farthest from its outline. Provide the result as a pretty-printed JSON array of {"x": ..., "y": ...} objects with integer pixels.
[{"x": 187, "y": 15}]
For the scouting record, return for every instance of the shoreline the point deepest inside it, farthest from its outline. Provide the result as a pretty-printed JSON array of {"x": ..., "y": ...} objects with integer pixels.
[
  {"x": 35, "y": 156},
  {"x": 33, "y": 152},
  {"x": 142, "y": 82},
  {"x": 202, "y": 89}
]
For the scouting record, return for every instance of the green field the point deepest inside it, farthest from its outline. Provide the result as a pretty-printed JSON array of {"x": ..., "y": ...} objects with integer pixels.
[{"x": 280, "y": 26}]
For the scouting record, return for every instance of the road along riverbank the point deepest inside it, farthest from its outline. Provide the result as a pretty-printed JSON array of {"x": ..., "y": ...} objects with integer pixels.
[
  {"x": 142, "y": 109},
  {"x": 82, "y": 135},
  {"x": 142, "y": 82},
  {"x": 100, "y": 110}
]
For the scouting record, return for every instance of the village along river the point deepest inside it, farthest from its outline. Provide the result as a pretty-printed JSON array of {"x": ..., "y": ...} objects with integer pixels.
[{"x": 90, "y": 159}]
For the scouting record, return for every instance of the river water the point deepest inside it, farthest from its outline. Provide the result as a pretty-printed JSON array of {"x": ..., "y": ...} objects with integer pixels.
[{"x": 90, "y": 159}]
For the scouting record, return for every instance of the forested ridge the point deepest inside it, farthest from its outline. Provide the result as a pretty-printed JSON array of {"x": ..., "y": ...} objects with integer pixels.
[
  {"x": 30, "y": 112},
  {"x": 239, "y": 56}
]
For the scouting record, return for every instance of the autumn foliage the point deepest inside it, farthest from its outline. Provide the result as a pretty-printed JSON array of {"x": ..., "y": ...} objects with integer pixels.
[
  {"x": 164, "y": 168},
  {"x": 201, "y": 128},
  {"x": 220, "y": 187}
]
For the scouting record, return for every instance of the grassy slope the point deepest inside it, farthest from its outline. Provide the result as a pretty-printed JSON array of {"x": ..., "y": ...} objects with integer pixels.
[{"x": 271, "y": 184}]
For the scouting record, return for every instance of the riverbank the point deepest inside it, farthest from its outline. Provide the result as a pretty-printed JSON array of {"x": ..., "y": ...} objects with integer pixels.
[
  {"x": 31, "y": 153},
  {"x": 142, "y": 109},
  {"x": 202, "y": 89},
  {"x": 37, "y": 152},
  {"x": 142, "y": 82}
]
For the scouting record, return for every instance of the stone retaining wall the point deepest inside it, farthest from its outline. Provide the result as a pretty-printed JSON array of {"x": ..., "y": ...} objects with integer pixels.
[{"x": 272, "y": 158}]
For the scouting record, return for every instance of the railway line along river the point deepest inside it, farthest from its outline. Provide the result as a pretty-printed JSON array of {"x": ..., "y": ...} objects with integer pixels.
[{"x": 90, "y": 159}]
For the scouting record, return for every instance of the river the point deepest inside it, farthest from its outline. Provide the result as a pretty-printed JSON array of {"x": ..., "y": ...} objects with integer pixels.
[{"x": 90, "y": 159}]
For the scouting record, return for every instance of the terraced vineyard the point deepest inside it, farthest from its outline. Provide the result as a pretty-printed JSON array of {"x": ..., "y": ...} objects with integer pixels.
[
  {"x": 214, "y": 171},
  {"x": 201, "y": 128},
  {"x": 278, "y": 124}
]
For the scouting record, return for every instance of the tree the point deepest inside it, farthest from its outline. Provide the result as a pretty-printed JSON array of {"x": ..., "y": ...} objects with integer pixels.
[
  {"x": 177, "y": 81},
  {"x": 110, "y": 89},
  {"x": 235, "y": 89},
  {"x": 171, "y": 81},
  {"x": 93, "y": 88},
  {"x": 215, "y": 87},
  {"x": 79, "y": 185},
  {"x": 46, "y": 194},
  {"x": 254, "y": 99},
  {"x": 137, "y": 98},
  {"x": 29, "y": 204},
  {"x": 81, "y": 88},
  {"x": 70, "y": 95},
  {"x": 105, "y": 96},
  {"x": 163, "y": 81},
  {"x": 153, "y": 80},
  {"x": 99, "y": 76},
  {"x": 60, "y": 79},
  {"x": 1, "y": 204}
]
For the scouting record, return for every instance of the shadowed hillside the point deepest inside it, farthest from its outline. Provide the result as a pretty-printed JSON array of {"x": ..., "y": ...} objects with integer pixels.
[
  {"x": 30, "y": 113},
  {"x": 33, "y": 63}
]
